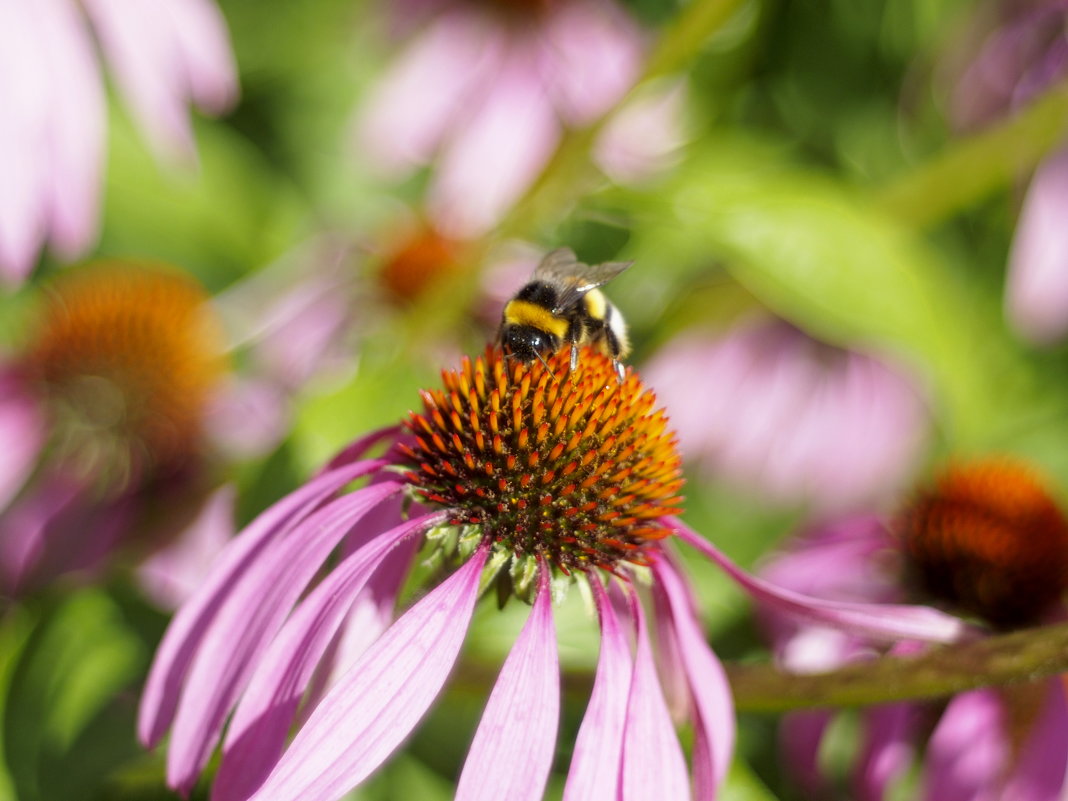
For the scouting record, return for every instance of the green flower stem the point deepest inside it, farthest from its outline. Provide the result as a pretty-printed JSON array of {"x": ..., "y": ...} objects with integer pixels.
[
  {"x": 972, "y": 169},
  {"x": 1014, "y": 658},
  {"x": 570, "y": 171}
]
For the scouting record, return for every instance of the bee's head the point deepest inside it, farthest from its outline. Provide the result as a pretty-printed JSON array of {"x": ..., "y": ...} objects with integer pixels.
[{"x": 525, "y": 342}]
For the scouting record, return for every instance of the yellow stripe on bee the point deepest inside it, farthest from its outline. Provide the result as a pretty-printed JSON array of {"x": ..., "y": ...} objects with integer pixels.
[
  {"x": 522, "y": 312},
  {"x": 596, "y": 304}
]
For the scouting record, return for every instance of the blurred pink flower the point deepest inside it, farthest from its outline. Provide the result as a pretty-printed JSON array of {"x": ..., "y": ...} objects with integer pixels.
[
  {"x": 986, "y": 541},
  {"x": 793, "y": 420},
  {"x": 486, "y": 88},
  {"x": 482, "y": 476},
  {"x": 1024, "y": 53},
  {"x": 121, "y": 401},
  {"x": 52, "y": 133}
]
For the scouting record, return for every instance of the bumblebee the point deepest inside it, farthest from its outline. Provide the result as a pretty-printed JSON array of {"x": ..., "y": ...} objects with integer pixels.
[{"x": 562, "y": 305}]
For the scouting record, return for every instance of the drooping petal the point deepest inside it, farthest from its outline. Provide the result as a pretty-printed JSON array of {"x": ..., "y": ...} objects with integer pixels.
[
  {"x": 488, "y": 162},
  {"x": 879, "y": 621},
  {"x": 593, "y": 55},
  {"x": 428, "y": 90},
  {"x": 1038, "y": 773},
  {"x": 512, "y": 752},
  {"x": 21, "y": 435},
  {"x": 653, "y": 762},
  {"x": 171, "y": 576},
  {"x": 968, "y": 751},
  {"x": 889, "y": 732},
  {"x": 158, "y": 75},
  {"x": 257, "y": 731},
  {"x": 187, "y": 629},
  {"x": 375, "y": 706},
  {"x": 256, "y": 608},
  {"x": 51, "y": 133},
  {"x": 800, "y": 737},
  {"x": 712, "y": 702},
  {"x": 595, "y": 763},
  {"x": 1037, "y": 293}
]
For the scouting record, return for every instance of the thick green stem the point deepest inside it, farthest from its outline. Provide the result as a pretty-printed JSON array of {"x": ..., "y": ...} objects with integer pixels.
[
  {"x": 1000, "y": 660},
  {"x": 971, "y": 169}
]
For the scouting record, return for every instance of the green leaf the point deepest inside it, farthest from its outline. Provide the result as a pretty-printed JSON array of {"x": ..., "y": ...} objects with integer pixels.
[{"x": 68, "y": 720}]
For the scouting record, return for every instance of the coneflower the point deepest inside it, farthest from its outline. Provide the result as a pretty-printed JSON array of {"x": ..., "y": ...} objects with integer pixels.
[
  {"x": 527, "y": 477},
  {"x": 985, "y": 540}
]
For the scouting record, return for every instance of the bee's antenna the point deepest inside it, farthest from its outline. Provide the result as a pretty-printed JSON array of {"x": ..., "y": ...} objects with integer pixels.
[{"x": 547, "y": 367}]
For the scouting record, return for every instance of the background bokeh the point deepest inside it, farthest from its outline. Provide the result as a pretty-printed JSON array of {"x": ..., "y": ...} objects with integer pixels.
[{"x": 812, "y": 172}]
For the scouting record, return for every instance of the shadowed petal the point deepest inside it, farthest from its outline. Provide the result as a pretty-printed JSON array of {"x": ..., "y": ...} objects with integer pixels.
[
  {"x": 187, "y": 629},
  {"x": 416, "y": 102},
  {"x": 653, "y": 762},
  {"x": 498, "y": 153},
  {"x": 882, "y": 621},
  {"x": 1039, "y": 771},
  {"x": 712, "y": 702},
  {"x": 513, "y": 748},
  {"x": 1037, "y": 293},
  {"x": 967, "y": 752},
  {"x": 595, "y": 764},
  {"x": 375, "y": 706},
  {"x": 171, "y": 576},
  {"x": 21, "y": 436},
  {"x": 148, "y": 56},
  {"x": 257, "y": 731},
  {"x": 887, "y": 753},
  {"x": 258, "y": 605},
  {"x": 800, "y": 737}
]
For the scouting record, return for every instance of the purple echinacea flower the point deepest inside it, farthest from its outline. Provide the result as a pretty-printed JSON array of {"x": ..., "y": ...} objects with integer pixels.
[
  {"x": 1025, "y": 54},
  {"x": 485, "y": 90},
  {"x": 528, "y": 477},
  {"x": 770, "y": 409},
  {"x": 163, "y": 55},
  {"x": 986, "y": 541}
]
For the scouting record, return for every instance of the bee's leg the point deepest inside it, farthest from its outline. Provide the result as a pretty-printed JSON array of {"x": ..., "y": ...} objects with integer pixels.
[
  {"x": 621, "y": 371},
  {"x": 574, "y": 356}
]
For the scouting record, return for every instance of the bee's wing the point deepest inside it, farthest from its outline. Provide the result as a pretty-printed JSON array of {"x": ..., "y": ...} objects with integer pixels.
[{"x": 562, "y": 269}]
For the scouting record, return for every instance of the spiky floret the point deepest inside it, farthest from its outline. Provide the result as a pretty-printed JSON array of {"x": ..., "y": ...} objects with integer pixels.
[
  {"x": 576, "y": 467},
  {"x": 127, "y": 356},
  {"x": 988, "y": 540}
]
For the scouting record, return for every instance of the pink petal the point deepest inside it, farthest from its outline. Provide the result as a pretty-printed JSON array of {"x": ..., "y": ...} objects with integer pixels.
[
  {"x": 713, "y": 703},
  {"x": 258, "y": 728},
  {"x": 653, "y": 762},
  {"x": 1039, "y": 771},
  {"x": 498, "y": 152},
  {"x": 1037, "y": 293},
  {"x": 203, "y": 46},
  {"x": 881, "y": 621},
  {"x": 256, "y": 608},
  {"x": 171, "y": 576},
  {"x": 968, "y": 751},
  {"x": 51, "y": 133},
  {"x": 512, "y": 752},
  {"x": 247, "y": 418},
  {"x": 429, "y": 90},
  {"x": 645, "y": 137},
  {"x": 21, "y": 435},
  {"x": 380, "y": 700},
  {"x": 187, "y": 629},
  {"x": 595, "y": 764},
  {"x": 800, "y": 738},
  {"x": 889, "y": 732},
  {"x": 153, "y": 53},
  {"x": 593, "y": 52}
]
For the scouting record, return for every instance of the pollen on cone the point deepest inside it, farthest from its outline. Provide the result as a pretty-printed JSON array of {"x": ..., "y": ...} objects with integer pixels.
[{"x": 531, "y": 489}]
